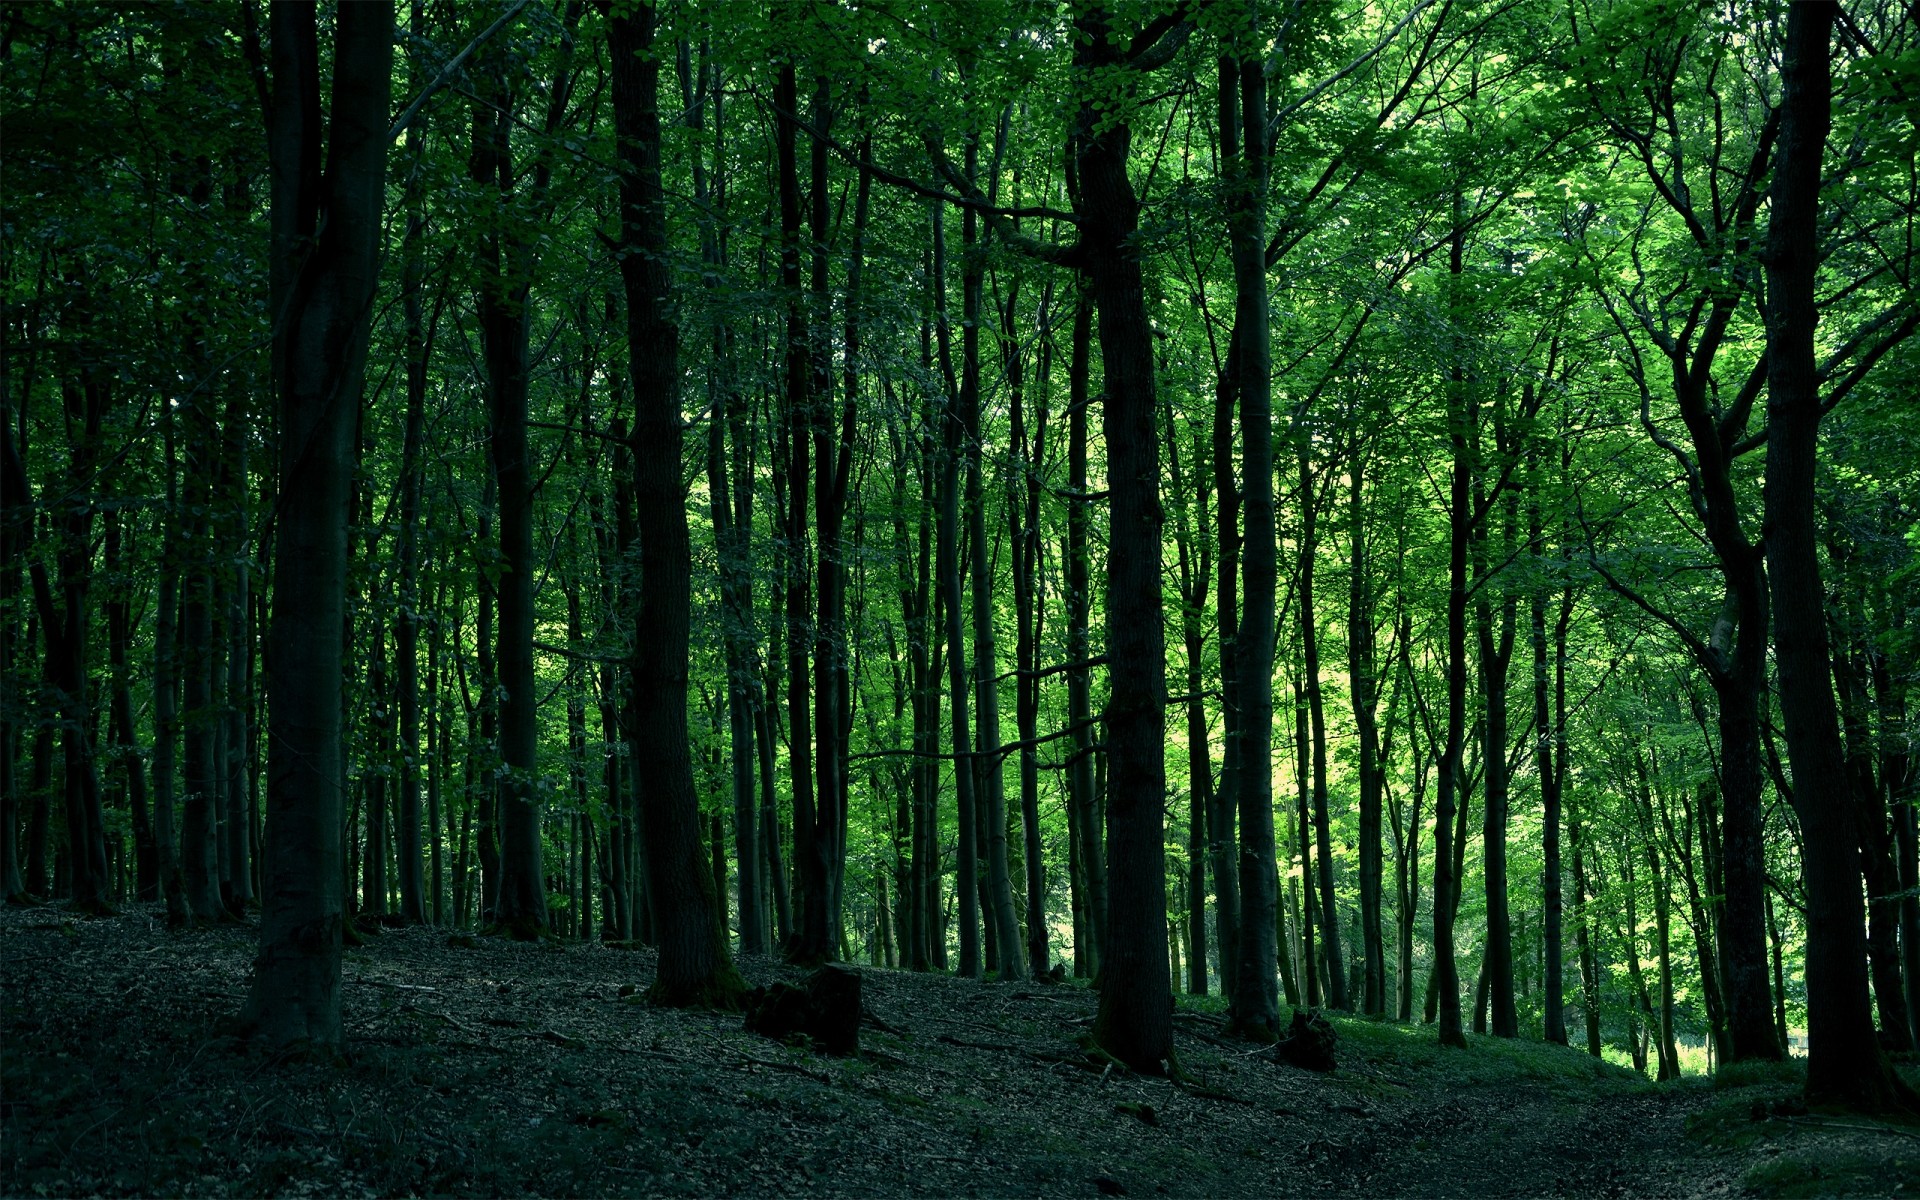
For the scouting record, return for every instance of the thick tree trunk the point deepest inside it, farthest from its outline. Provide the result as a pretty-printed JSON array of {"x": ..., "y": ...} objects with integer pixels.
[
  {"x": 320, "y": 341},
  {"x": 695, "y": 967},
  {"x": 1134, "y": 1022},
  {"x": 1844, "y": 1061}
]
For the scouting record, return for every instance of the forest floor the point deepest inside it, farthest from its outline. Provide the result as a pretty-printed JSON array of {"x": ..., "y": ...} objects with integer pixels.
[{"x": 479, "y": 1066}]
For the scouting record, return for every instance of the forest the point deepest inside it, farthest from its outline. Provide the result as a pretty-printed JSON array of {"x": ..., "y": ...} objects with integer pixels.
[{"x": 1406, "y": 509}]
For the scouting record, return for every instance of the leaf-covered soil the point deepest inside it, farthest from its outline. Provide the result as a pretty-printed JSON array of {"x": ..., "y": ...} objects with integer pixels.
[{"x": 480, "y": 1066}]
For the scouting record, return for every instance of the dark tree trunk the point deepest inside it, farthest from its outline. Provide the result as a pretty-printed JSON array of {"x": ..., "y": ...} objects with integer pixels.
[
  {"x": 1547, "y": 751},
  {"x": 1023, "y": 511},
  {"x": 486, "y": 795},
  {"x": 796, "y": 445},
  {"x": 379, "y": 698},
  {"x": 1134, "y": 1022},
  {"x": 730, "y": 484},
  {"x": 987, "y": 766},
  {"x": 237, "y": 727},
  {"x": 1445, "y": 979},
  {"x": 1363, "y": 668},
  {"x": 948, "y": 568},
  {"x": 1087, "y": 836},
  {"x": 1495, "y": 641},
  {"x": 1876, "y": 832},
  {"x": 1255, "y": 935},
  {"x": 166, "y": 719},
  {"x": 1335, "y": 976},
  {"x": 126, "y": 749},
  {"x": 320, "y": 345},
  {"x": 1844, "y": 1061},
  {"x": 1222, "y": 842},
  {"x": 695, "y": 967},
  {"x": 520, "y": 906},
  {"x": 407, "y": 627}
]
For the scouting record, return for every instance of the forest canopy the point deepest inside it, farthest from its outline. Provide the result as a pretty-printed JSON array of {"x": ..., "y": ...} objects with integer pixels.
[{"x": 1406, "y": 507}]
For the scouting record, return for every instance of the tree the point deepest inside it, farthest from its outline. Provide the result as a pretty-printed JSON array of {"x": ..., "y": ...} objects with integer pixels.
[
  {"x": 1844, "y": 1063},
  {"x": 325, "y": 276},
  {"x": 695, "y": 967},
  {"x": 1135, "y": 1020}
]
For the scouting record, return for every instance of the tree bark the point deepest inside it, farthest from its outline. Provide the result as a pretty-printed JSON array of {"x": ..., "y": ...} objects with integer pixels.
[
  {"x": 695, "y": 966},
  {"x": 320, "y": 340},
  {"x": 1255, "y": 994},
  {"x": 1844, "y": 1062},
  {"x": 1134, "y": 1022},
  {"x": 1089, "y": 842},
  {"x": 1445, "y": 979},
  {"x": 1363, "y": 670}
]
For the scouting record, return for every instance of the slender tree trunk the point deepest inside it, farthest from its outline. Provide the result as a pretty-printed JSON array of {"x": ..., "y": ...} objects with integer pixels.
[
  {"x": 1335, "y": 975},
  {"x": 1445, "y": 978},
  {"x": 1547, "y": 753},
  {"x": 520, "y": 906},
  {"x": 126, "y": 749},
  {"x": 236, "y": 728},
  {"x": 166, "y": 718},
  {"x": 1363, "y": 669},
  {"x": 1255, "y": 936},
  {"x": 1088, "y": 839},
  {"x": 1023, "y": 511},
  {"x": 407, "y": 628},
  {"x": 948, "y": 567},
  {"x": 987, "y": 766},
  {"x": 1495, "y": 638}
]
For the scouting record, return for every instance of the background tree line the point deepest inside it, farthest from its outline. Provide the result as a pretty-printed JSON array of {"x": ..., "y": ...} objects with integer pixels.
[{"x": 874, "y": 481}]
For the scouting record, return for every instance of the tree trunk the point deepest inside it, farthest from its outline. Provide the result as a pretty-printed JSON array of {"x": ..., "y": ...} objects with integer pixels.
[
  {"x": 1088, "y": 840},
  {"x": 987, "y": 766},
  {"x": 1496, "y": 657},
  {"x": 1255, "y": 936},
  {"x": 1134, "y": 1022},
  {"x": 1445, "y": 978},
  {"x": 406, "y": 654},
  {"x": 320, "y": 343},
  {"x": 1335, "y": 976},
  {"x": 1023, "y": 510},
  {"x": 695, "y": 966},
  {"x": 1844, "y": 1061},
  {"x": 948, "y": 568},
  {"x": 1363, "y": 670}
]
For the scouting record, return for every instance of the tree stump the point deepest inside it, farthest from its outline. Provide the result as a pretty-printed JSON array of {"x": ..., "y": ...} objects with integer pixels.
[
  {"x": 826, "y": 1011},
  {"x": 1309, "y": 1043}
]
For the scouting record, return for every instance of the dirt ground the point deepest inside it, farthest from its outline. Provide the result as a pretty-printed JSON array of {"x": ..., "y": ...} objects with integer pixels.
[{"x": 484, "y": 1067}]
